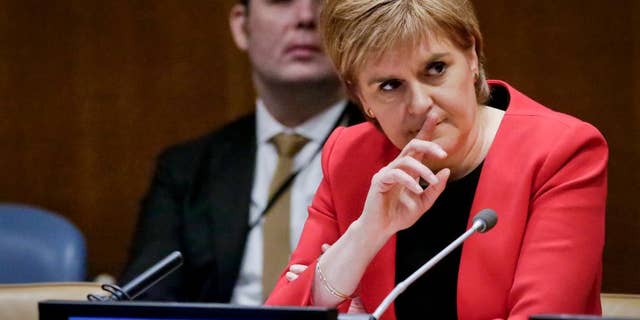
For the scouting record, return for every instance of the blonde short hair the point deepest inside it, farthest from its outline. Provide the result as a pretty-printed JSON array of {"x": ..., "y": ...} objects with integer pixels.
[{"x": 356, "y": 31}]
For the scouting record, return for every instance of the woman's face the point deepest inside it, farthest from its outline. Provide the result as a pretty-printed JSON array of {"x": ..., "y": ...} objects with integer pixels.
[{"x": 424, "y": 91}]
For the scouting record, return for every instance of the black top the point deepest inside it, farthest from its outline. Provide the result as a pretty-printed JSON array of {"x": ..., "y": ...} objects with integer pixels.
[{"x": 434, "y": 294}]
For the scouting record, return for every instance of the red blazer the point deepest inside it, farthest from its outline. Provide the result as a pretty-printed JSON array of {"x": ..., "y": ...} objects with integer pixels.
[{"x": 545, "y": 176}]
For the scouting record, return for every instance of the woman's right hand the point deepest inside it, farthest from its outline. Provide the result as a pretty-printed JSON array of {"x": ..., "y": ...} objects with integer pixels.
[{"x": 396, "y": 200}]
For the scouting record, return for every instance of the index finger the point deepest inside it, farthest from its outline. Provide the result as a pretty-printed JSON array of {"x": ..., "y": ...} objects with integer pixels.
[
  {"x": 425, "y": 134},
  {"x": 428, "y": 127},
  {"x": 417, "y": 149}
]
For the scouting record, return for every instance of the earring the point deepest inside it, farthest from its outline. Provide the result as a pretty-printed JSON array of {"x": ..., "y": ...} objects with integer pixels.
[
  {"x": 476, "y": 76},
  {"x": 369, "y": 113}
]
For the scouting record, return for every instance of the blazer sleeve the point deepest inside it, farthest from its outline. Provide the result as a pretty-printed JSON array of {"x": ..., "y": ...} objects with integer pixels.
[
  {"x": 321, "y": 227},
  {"x": 157, "y": 232},
  {"x": 560, "y": 262}
]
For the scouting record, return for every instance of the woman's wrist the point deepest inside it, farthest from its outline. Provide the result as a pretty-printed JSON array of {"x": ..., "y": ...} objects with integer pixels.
[
  {"x": 328, "y": 286},
  {"x": 340, "y": 268},
  {"x": 369, "y": 234}
]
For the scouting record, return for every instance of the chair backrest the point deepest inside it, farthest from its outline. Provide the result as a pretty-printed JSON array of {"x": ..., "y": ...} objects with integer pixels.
[
  {"x": 620, "y": 305},
  {"x": 20, "y": 301},
  {"x": 37, "y": 245}
]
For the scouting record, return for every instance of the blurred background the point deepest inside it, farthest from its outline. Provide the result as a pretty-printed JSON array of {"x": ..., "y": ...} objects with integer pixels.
[{"x": 92, "y": 90}]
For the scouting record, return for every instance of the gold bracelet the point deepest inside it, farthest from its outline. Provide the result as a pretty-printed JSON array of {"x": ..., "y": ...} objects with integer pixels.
[{"x": 328, "y": 286}]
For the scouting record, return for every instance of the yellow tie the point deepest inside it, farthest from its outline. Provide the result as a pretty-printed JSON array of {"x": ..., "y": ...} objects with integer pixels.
[{"x": 276, "y": 247}]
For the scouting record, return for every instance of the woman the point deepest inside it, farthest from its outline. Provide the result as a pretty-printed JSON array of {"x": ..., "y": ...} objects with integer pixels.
[{"x": 415, "y": 68}]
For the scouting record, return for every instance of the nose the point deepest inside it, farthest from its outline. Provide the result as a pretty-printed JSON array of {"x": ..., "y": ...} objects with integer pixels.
[
  {"x": 421, "y": 100},
  {"x": 307, "y": 13}
]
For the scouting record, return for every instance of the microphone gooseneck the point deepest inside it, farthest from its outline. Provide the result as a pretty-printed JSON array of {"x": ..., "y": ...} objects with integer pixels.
[
  {"x": 483, "y": 221},
  {"x": 154, "y": 274},
  {"x": 143, "y": 281}
]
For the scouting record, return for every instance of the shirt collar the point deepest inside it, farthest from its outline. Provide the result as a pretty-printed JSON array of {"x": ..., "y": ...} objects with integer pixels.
[{"x": 316, "y": 129}]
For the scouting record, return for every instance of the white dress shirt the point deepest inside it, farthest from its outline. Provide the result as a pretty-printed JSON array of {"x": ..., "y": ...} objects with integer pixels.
[{"x": 248, "y": 289}]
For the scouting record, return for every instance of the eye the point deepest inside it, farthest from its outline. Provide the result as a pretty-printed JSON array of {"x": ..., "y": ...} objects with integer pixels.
[
  {"x": 389, "y": 85},
  {"x": 436, "y": 68}
]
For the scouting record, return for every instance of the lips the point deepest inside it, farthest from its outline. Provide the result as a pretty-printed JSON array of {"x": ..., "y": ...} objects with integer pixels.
[
  {"x": 302, "y": 50},
  {"x": 303, "y": 46}
]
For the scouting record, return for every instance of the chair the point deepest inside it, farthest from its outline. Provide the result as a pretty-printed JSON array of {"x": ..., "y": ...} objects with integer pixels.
[
  {"x": 620, "y": 305},
  {"x": 37, "y": 245}
]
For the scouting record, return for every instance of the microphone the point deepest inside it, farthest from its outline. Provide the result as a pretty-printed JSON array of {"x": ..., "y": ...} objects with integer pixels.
[
  {"x": 483, "y": 221},
  {"x": 486, "y": 219},
  {"x": 142, "y": 282}
]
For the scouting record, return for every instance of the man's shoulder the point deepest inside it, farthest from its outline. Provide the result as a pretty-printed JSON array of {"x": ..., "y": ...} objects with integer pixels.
[{"x": 188, "y": 154}]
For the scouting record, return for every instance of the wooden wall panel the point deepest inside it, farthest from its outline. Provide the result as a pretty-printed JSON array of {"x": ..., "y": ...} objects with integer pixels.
[{"x": 91, "y": 91}]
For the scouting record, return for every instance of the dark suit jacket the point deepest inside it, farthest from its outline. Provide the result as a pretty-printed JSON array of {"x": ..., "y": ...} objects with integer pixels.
[{"x": 198, "y": 203}]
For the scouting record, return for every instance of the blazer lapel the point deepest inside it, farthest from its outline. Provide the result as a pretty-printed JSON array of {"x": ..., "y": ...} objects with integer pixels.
[{"x": 379, "y": 279}]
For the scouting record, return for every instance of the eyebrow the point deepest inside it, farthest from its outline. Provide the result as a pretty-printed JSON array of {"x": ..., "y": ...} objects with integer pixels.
[
  {"x": 432, "y": 58},
  {"x": 438, "y": 56}
]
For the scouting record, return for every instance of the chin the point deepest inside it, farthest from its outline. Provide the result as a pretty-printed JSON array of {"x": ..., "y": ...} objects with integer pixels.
[{"x": 310, "y": 76}]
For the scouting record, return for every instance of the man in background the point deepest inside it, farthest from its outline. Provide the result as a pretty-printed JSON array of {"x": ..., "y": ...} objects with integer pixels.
[{"x": 234, "y": 201}]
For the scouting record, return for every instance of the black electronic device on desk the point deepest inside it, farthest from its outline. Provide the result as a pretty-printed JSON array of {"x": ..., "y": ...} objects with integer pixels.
[
  {"x": 575, "y": 317},
  {"x": 130, "y": 310}
]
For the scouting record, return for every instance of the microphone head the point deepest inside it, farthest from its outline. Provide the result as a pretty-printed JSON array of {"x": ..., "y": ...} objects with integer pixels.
[{"x": 487, "y": 219}]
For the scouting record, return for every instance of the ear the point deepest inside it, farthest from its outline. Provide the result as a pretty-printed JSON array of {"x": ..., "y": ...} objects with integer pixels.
[
  {"x": 472, "y": 57},
  {"x": 355, "y": 95},
  {"x": 238, "y": 25}
]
